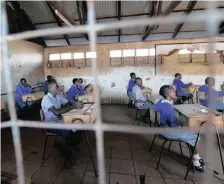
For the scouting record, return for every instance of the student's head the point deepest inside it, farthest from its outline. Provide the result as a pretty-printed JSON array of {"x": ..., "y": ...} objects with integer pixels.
[
  {"x": 81, "y": 80},
  {"x": 23, "y": 81},
  {"x": 132, "y": 75},
  {"x": 52, "y": 87},
  {"x": 138, "y": 81},
  {"x": 49, "y": 78},
  {"x": 76, "y": 81},
  {"x": 178, "y": 76},
  {"x": 88, "y": 88},
  {"x": 210, "y": 81},
  {"x": 167, "y": 92}
]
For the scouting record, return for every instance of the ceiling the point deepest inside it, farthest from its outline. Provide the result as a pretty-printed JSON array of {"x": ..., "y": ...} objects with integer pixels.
[{"x": 35, "y": 15}]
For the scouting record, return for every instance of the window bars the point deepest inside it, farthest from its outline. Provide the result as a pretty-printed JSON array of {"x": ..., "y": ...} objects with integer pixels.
[{"x": 211, "y": 17}]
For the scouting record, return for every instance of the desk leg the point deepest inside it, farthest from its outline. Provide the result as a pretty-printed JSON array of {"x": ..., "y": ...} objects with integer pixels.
[
  {"x": 91, "y": 157},
  {"x": 220, "y": 149}
]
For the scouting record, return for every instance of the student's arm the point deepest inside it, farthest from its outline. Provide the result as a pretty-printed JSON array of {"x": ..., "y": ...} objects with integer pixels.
[
  {"x": 138, "y": 96},
  {"x": 60, "y": 111}
]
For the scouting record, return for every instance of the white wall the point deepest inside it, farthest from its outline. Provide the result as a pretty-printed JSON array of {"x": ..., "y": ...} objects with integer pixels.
[{"x": 26, "y": 60}]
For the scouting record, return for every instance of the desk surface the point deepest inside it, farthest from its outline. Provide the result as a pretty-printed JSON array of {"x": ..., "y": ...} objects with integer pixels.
[
  {"x": 190, "y": 110},
  {"x": 33, "y": 96}
]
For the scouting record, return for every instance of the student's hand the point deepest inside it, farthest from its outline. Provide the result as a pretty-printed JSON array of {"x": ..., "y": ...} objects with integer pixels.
[
  {"x": 190, "y": 83},
  {"x": 78, "y": 105}
]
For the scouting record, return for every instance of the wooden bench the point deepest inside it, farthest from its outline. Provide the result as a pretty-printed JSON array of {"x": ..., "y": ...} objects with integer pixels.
[
  {"x": 86, "y": 115},
  {"x": 33, "y": 97}
]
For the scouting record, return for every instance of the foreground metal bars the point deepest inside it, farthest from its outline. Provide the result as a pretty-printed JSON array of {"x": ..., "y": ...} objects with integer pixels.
[{"x": 212, "y": 17}]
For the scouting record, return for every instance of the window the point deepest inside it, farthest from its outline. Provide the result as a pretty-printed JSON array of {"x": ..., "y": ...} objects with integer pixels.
[
  {"x": 115, "y": 53},
  {"x": 66, "y": 56},
  {"x": 91, "y": 55},
  {"x": 129, "y": 53},
  {"x": 79, "y": 55},
  {"x": 152, "y": 52},
  {"x": 53, "y": 57},
  {"x": 142, "y": 52},
  {"x": 184, "y": 51},
  {"x": 198, "y": 52}
]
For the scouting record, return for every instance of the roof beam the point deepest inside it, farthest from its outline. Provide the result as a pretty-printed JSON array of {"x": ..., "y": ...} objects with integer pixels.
[
  {"x": 82, "y": 15},
  {"x": 26, "y": 20},
  {"x": 170, "y": 8},
  {"x": 119, "y": 18},
  {"x": 190, "y": 7},
  {"x": 57, "y": 19},
  {"x": 221, "y": 27},
  {"x": 57, "y": 6}
]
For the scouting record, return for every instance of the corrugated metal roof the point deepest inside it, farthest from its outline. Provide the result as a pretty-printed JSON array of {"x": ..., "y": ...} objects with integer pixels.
[
  {"x": 134, "y": 7},
  {"x": 163, "y": 36},
  {"x": 71, "y": 8},
  {"x": 131, "y": 38},
  {"x": 134, "y": 29},
  {"x": 192, "y": 34},
  {"x": 107, "y": 39},
  {"x": 53, "y": 43},
  {"x": 105, "y": 8},
  {"x": 78, "y": 41},
  {"x": 38, "y": 11},
  {"x": 110, "y": 32}
]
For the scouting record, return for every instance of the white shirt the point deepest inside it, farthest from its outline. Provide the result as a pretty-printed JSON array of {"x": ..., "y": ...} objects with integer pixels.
[
  {"x": 167, "y": 101},
  {"x": 49, "y": 101},
  {"x": 137, "y": 91}
]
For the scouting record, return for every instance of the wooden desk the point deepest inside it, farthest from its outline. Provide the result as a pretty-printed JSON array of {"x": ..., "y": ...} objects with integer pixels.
[
  {"x": 87, "y": 115},
  {"x": 154, "y": 98},
  {"x": 193, "y": 118},
  {"x": 89, "y": 98},
  {"x": 191, "y": 89},
  {"x": 33, "y": 97}
]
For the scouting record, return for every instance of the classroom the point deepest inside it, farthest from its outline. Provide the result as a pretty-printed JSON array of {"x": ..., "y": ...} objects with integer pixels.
[{"x": 112, "y": 92}]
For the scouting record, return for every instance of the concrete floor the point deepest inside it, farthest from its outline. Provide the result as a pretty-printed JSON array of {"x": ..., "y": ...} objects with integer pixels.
[{"x": 126, "y": 157}]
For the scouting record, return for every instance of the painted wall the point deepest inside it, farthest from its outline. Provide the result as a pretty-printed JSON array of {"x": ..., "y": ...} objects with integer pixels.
[
  {"x": 26, "y": 60},
  {"x": 113, "y": 79}
]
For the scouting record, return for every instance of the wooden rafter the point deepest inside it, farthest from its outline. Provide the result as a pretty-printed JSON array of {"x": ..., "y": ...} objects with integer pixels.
[
  {"x": 190, "y": 7},
  {"x": 119, "y": 18},
  {"x": 57, "y": 19},
  {"x": 170, "y": 8}
]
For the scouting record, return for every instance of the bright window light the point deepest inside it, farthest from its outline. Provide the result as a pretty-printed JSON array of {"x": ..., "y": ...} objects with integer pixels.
[
  {"x": 152, "y": 52},
  {"x": 184, "y": 51},
  {"x": 115, "y": 53},
  {"x": 198, "y": 52},
  {"x": 53, "y": 57},
  {"x": 66, "y": 56},
  {"x": 79, "y": 55},
  {"x": 91, "y": 55},
  {"x": 129, "y": 53},
  {"x": 142, "y": 52}
]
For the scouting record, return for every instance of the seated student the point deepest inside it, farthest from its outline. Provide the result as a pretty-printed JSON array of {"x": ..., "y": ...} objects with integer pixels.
[
  {"x": 74, "y": 90},
  {"x": 168, "y": 119},
  {"x": 23, "y": 88},
  {"x": 131, "y": 84},
  {"x": 53, "y": 106},
  {"x": 81, "y": 87},
  {"x": 88, "y": 89},
  {"x": 209, "y": 93},
  {"x": 49, "y": 78},
  {"x": 179, "y": 87},
  {"x": 140, "y": 99}
]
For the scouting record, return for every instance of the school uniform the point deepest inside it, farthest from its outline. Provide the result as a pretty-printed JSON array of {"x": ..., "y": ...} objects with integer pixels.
[
  {"x": 211, "y": 93},
  {"x": 179, "y": 88},
  {"x": 131, "y": 84},
  {"x": 168, "y": 119},
  {"x": 21, "y": 91},
  {"x": 82, "y": 90},
  {"x": 45, "y": 87},
  {"x": 139, "y": 96},
  {"x": 73, "y": 92}
]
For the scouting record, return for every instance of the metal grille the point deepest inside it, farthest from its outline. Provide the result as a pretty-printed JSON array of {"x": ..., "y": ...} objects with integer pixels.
[{"x": 211, "y": 18}]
